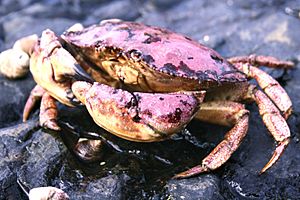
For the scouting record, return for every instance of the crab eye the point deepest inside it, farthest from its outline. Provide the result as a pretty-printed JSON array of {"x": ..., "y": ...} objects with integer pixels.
[{"x": 135, "y": 55}]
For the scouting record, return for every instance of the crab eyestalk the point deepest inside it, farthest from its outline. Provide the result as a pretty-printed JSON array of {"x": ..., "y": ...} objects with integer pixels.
[{"x": 142, "y": 117}]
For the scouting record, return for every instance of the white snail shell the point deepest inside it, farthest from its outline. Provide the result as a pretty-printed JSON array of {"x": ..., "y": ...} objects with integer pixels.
[
  {"x": 75, "y": 27},
  {"x": 47, "y": 193},
  {"x": 26, "y": 44},
  {"x": 14, "y": 63}
]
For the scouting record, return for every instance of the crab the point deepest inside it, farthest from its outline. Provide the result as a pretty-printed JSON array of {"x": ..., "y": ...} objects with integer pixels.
[{"x": 145, "y": 83}]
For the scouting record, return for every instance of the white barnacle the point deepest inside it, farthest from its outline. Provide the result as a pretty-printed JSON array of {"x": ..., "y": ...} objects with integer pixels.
[
  {"x": 14, "y": 63},
  {"x": 43, "y": 193},
  {"x": 26, "y": 44},
  {"x": 47, "y": 193}
]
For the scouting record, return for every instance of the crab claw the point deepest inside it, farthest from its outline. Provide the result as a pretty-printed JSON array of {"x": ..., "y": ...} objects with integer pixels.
[
  {"x": 54, "y": 68},
  {"x": 142, "y": 117}
]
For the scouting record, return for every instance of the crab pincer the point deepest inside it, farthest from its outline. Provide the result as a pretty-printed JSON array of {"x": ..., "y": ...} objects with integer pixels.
[
  {"x": 54, "y": 69},
  {"x": 143, "y": 117}
]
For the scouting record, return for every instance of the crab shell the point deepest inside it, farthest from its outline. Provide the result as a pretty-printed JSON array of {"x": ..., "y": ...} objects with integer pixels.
[{"x": 147, "y": 58}]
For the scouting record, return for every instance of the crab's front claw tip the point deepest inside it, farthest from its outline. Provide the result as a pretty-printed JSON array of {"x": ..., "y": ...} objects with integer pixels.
[
  {"x": 67, "y": 68},
  {"x": 71, "y": 98},
  {"x": 79, "y": 89},
  {"x": 81, "y": 75},
  {"x": 191, "y": 172},
  {"x": 276, "y": 155}
]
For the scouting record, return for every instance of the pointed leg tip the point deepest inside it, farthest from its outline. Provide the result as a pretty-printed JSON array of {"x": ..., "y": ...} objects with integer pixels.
[
  {"x": 191, "y": 172},
  {"x": 263, "y": 170},
  {"x": 287, "y": 113},
  {"x": 290, "y": 64},
  {"x": 181, "y": 175},
  {"x": 51, "y": 125},
  {"x": 276, "y": 155},
  {"x": 25, "y": 116},
  {"x": 26, "y": 112}
]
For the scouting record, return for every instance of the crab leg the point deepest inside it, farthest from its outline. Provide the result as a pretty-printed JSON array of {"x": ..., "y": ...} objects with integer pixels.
[
  {"x": 48, "y": 108},
  {"x": 273, "y": 120},
  {"x": 215, "y": 112},
  {"x": 35, "y": 96},
  {"x": 270, "y": 86},
  {"x": 48, "y": 112},
  {"x": 258, "y": 60}
]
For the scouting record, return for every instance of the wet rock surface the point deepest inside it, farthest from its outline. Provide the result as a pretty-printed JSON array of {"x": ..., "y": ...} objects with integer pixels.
[{"x": 132, "y": 170}]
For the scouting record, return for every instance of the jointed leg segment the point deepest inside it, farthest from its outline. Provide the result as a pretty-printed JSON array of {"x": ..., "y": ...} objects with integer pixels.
[
  {"x": 258, "y": 60},
  {"x": 35, "y": 96},
  {"x": 48, "y": 112},
  {"x": 271, "y": 116},
  {"x": 273, "y": 120},
  {"x": 237, "y": 115},
  {"x": 270, "y": 86},
  {"x": 48, "y": 108}
]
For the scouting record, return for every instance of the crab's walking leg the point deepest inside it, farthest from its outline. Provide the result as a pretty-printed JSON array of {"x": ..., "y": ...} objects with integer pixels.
[
  {"x": 223, "y": 113},
  {"x": 48, "y": 112},
  {"x": 35, "y": 96},
  {"x": 273, "y": 120},
  {"x": 48, "y": 108},
  {"x": 258, "y": 60},
  {"x": 270, "y": 86}
]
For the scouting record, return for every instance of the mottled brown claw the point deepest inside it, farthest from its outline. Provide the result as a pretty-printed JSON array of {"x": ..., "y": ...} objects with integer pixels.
[
  {"x": 143, "y": 117},
  {"x": 54, "y": 69}
]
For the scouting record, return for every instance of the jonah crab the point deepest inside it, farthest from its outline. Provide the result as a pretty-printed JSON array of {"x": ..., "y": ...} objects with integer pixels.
[{"x": 145, "y": 83}]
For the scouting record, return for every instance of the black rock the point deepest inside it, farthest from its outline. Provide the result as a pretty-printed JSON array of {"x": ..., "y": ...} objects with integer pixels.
[
  {"x": 202, "y": 187},
  {"x": 13, "y": 98},
  {"x": 127, "y": 10}
]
